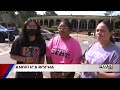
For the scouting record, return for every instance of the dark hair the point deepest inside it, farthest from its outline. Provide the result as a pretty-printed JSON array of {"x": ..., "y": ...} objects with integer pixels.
[
  {"x": 25, "y": 36},
  {"x": 110, "y": 28},
  {"x": 67, "y": 23}
]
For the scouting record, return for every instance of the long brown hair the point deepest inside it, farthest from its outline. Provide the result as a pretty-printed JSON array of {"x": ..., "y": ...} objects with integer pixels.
[{"x": 38, "y": 35}]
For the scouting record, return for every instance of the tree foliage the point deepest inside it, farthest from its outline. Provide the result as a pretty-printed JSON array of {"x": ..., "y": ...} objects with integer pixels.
[
  {"x": 50, "y": 13},
  {"x": 24, "y": 15},
  {"x": 108, "y": 13},
  {"x": 11, "y": 14}
]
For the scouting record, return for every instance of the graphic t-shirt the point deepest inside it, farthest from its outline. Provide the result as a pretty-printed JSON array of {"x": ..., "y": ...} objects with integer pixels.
[
  {"x": 102, "y": 55},
  {"x": 30, "y": 49},
  {"x": 64, "y": 52}
]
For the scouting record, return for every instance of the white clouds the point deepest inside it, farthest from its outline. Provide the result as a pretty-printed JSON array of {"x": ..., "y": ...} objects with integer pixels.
[{"x": 80, "y": 12}]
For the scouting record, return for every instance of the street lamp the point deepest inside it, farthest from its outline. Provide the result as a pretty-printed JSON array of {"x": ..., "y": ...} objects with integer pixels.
[
  {"x": 110, "y": 17},
  {"x": 43, "y": 18},
  {"x": 109, "y": 13}
]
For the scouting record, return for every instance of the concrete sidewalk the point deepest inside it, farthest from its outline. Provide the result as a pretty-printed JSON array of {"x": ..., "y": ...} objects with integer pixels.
[{"x": 83, "y": 37}]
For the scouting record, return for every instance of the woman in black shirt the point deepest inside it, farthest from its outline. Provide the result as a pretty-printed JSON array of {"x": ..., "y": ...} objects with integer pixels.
[{"x": 30, "y": 48}]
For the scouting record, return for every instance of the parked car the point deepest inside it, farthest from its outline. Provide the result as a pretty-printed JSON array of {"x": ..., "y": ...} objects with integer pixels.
[
  {"x": 47, "y": 35},
  {"x": 11, "y": 28},
  {"x": 6, "y": 33},
  {"x": 116, "y": 36},
  {"x": 15, "y": 29}
]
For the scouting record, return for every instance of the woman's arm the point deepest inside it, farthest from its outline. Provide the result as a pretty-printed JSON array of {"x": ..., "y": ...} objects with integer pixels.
[
  {"x": 106, "y": 75},
  {"x": 49, "y": 60},
  {"x": 42, "y": 60},
  {"x": 77, "y": 53},
  {"x": 17, "y": 58},
  {"x": 23, "y": 59}
]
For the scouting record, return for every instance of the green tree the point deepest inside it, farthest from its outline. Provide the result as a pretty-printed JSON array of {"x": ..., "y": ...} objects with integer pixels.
[
  {"x": 11, "y": 14},
  {"x": 118, "y": 17},
  {"x": 108, "y": 13},
  {"x": 50, "y": 13},
  {"x": 20, "y": 16},
  {"x": 24, "y": 15}
]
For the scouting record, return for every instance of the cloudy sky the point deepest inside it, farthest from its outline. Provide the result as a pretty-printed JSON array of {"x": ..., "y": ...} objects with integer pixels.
[{"x": 101, "y": 13}]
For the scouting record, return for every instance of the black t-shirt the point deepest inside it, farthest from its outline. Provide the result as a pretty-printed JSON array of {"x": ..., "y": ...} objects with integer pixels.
[{"x": 32, "y": 49}]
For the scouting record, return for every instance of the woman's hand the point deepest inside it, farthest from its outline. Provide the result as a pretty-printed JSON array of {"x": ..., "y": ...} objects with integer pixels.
[
  {"x": 106, "y": 75},
  {"x": 30, "y": 60}
]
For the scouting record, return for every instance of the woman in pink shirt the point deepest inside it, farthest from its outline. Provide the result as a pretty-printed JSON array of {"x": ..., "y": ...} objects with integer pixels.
[{"x": 63, "y": 49}]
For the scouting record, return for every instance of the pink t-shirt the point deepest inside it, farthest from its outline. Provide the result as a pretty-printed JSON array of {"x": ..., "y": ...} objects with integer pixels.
[{"x": 64, "y": 52}]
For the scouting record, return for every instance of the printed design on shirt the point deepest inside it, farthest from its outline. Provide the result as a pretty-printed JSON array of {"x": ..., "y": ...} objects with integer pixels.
[
  {"x": 30, "y": 51},
  {"x": 60, "y": 52},
  {"x": 97, "y": 56}
]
